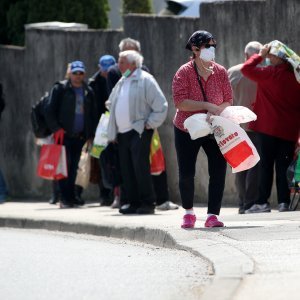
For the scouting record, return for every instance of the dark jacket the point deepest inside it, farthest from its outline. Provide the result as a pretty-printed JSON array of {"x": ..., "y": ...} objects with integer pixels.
[
  {"x": 99, "y": 86},
  {"x": 60, "y": 110}
]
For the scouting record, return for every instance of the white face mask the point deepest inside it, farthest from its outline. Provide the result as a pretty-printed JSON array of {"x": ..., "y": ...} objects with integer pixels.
[{"x": 208, "y": 54}]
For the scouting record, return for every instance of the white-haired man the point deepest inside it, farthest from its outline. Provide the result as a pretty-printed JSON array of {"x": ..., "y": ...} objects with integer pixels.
[
  {"x": 137, "y": 106},
  {"x": 244, "y": 94}
]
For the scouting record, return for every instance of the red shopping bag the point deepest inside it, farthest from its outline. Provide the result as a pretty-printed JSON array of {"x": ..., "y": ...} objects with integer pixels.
[{"x": 53, "y": 162}]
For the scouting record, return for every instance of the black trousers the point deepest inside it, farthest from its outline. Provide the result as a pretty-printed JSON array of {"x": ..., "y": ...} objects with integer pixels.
[
  {"x": 278, "y": 152},
  {"x": 161, "y": 189},
  {"x": 160, "y": 186},
  {"x": 187, "y": 152},
  {"x": 134, "y": 150},
  {"x": 73, "y": 150},
  {"x": 247, "y": 182}
]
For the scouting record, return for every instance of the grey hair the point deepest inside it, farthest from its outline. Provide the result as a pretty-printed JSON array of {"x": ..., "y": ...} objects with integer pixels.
[
  {"x": 253, "y": 47},
  {"x": 133, "y": 57},
  {"x": 131, "y": 44}
]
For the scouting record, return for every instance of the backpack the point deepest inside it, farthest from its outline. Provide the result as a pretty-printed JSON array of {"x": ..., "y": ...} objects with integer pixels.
[
  {"x": 37, "y": 115},
  {"x": 38, "y": 121}
]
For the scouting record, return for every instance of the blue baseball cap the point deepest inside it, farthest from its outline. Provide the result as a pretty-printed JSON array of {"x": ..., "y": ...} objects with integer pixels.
[
  {"x": 106, "y": 61},
  {"x": 77, "y": 66}
]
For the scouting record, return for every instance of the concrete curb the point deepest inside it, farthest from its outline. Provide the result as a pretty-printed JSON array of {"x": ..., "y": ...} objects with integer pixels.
[{"x": 229, "y": 264}]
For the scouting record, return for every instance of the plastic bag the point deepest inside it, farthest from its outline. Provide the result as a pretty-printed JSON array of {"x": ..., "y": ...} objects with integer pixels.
[
  {"x": 157, "y": 159},
  {"x": 238, "y": 114},
  {"x": 84, "y": 168},
  {"x": 235, "y": 145},
  {"x": 100, "y": 140},
  {"x": 197, "y": 126},
  {"x": 101, "y": 131},
  {"x": 293, "y": 173},
  {"x": 53, "y": 162}
]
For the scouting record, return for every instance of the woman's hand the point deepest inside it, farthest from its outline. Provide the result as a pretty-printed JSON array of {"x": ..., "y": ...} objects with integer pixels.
[
  {"x": 264, "y": 51},
  {"x": 213, "y": 109}
]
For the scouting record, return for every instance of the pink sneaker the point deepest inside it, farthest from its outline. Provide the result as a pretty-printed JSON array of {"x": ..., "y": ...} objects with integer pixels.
[
  {"x": 213, "y": 221},
  {"x": 188, "y": 221}
]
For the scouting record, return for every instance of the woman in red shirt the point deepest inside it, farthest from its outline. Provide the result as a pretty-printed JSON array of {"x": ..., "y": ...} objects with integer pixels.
[
  {"x": 189, "y": 99},
  {"x": 277, "y": 107}
]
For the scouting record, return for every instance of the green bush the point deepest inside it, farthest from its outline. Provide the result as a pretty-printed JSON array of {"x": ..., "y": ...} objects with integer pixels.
[
  {"x": 137, "y": 6},
  {"x": 17, "y": 13}
]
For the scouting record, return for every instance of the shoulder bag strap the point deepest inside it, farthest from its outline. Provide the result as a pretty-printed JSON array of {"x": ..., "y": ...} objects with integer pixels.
[{"x": 200, "y": 83}]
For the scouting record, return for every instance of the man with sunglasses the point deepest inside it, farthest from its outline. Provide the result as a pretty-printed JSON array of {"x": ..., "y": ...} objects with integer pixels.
[
  {"x": 200, "y": 86},
  {"x": 72, "y": 112}
]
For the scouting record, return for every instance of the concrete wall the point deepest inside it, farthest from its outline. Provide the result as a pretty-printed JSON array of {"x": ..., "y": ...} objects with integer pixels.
[{"x": 27, "y": 72}]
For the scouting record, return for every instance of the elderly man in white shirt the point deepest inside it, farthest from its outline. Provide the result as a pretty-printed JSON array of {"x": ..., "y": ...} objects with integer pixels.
[{"x": 137, "y": 107}]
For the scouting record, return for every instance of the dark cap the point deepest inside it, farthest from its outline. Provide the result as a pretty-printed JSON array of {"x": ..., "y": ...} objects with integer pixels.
[{"x": 199, "y": 38}]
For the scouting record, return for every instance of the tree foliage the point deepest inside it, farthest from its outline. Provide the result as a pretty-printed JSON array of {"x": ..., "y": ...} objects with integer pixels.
[
  {"x": 17, "y": 13},
  {"x": 137, "y": 6}
]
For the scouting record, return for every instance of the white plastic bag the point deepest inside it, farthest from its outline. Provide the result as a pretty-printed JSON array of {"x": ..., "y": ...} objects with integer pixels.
[
  {"x": 101, "y": 132},
  {"x": 234, "y": 143},
  {"x": 84, "y": 168},
  {"x": 197, "y": 126},
  {"x": 238, "y": 114}
]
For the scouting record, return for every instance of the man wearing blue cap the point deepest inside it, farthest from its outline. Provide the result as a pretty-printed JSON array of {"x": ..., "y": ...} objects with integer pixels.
[
  {"x": 72, "y": 113},
  {"x": 98, "y": 82}
]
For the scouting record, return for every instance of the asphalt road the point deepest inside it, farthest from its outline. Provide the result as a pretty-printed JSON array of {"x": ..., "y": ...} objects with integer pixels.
[{"x": 36, "y": 264}]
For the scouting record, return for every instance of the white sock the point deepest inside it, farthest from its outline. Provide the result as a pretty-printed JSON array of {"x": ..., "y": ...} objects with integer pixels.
[
  {"x": 209, "y": 215},
  {"x": 189, "y": 212}
]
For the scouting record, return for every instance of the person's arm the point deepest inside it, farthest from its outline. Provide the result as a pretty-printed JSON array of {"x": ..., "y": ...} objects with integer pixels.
[
  {"x": 192, "y": 105},
  {"x": 156, "y": 99},
  {"x": 52, "y": 108},
  {"x": 250, "y": 69}
]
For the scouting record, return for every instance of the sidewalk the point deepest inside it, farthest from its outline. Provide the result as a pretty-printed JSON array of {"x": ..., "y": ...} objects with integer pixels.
[{"x": 255, "y": 256}]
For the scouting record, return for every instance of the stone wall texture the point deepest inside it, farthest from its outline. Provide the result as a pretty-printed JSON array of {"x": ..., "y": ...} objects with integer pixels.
[{"x": 27, "y": 72}]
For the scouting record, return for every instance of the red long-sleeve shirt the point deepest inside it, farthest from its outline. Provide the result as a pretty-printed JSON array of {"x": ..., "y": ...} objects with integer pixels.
[
  {"x": 186, "y": 86},
  {"x": 277, "y": 103}
]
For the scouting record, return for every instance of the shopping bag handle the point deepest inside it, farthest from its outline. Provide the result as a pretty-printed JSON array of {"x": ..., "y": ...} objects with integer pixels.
[{"x": 59, "y": 137}]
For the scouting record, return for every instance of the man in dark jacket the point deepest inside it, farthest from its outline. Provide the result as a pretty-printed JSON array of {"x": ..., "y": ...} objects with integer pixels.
[
  {"x": 98, "y": 83},
  {"x": 72, "y": 112}
]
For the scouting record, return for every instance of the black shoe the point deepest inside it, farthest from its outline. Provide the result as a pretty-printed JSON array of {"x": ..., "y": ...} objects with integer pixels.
[
  {"x": 283, "y": 207},
  {"x": 128, "y": 210},
  {"x": 241, "y": 210},
  {"x": 64, "y": 205},
  {"x": 145, "y": 210},
  {"x": 53, "y": 200},
  {"x": 106, "y": 201},
  {"x": 79, "y": 201}
]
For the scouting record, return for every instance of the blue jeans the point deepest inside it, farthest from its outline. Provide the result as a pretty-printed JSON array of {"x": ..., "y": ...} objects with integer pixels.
[{"x": 3, "y": 189}]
